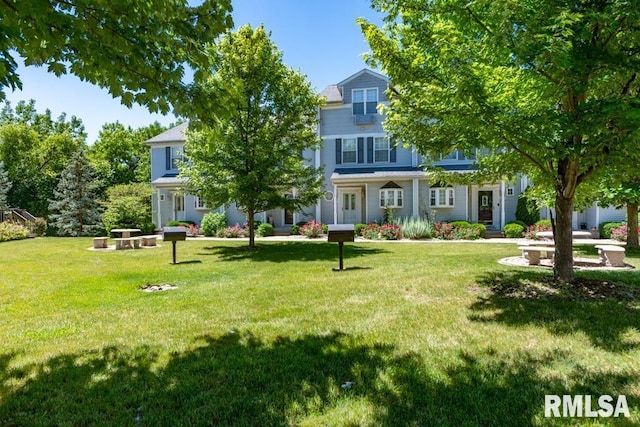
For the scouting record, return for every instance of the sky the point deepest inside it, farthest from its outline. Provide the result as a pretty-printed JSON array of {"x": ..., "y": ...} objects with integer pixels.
[{"x": 318, "y": 37}]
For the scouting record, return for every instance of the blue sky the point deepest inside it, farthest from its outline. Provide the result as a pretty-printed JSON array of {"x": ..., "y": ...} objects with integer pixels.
[{"x": 318, "y": 37}]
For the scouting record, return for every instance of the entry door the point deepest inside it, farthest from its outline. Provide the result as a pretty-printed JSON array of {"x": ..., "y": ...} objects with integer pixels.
[
  {"x": 350, "y": 208},
  {"x": 485, "y": 207},
  {"x": 178, "y": 207},
  {"x": 288, "y": 215}
]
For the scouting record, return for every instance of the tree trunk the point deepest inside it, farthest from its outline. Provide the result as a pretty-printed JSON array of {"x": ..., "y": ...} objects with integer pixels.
[
  {"x": 632, "y": 225},
  {"x": 252, "y": 234},
  {"x": 563, "y": 261}
]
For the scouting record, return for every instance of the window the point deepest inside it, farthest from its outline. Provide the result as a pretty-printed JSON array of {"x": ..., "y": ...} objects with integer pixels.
[
  {"x": 391, "y": 198},
  {"x": 381, "y": 149},
  {"x": 349, "y": 150},
  {"x": 178, "y": 201},
  {"x": 176, "y": 156},
  {"x": 442, "y": 197},
  {"x": 199, "y": 204},
  {"x": 162, "y": 197},
  {"x": 509, "y": 191},
  {"x": 365, "y": 101}
]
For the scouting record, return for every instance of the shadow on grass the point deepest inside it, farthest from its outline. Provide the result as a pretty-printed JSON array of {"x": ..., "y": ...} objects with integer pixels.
[
  {"x": 290, "y": 251},
  {"x": 605, "y": 311},
  {"x": 238, "y": 379}
]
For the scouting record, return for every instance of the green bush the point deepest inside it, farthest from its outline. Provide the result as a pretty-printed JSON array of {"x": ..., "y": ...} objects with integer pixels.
[
  {"x": 213, "y": 223},
  {"x": 513, "y": 230},
  {"x": 605, "y": 228},
  {"x": 128, "y": 206},
  {"x": 265, "y": 229},
  {"x": 459, "y": 223},
  {"x": 527, "y": 211},
  {"x": 543, "y": 223},
  {"x": 358, "y": 228},
  {"x": 39, "y": 227},
  {"x": 180, "y": 223},
  {"x": 415, "y": 228},
  {"x": 11, "y": 231},
  {"x": 312, "y": 229},
  {"x": 464, "y": 230}
]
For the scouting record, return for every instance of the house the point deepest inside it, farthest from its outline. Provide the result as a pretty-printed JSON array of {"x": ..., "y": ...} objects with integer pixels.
[{"x": 365, "y": 171}]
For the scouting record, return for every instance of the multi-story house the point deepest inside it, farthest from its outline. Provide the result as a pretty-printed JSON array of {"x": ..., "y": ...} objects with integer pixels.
[{"x": 365, "y": 171}]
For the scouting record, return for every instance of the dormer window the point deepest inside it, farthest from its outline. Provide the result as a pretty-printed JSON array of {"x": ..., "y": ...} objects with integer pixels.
[{"x": 365, "y": 101}]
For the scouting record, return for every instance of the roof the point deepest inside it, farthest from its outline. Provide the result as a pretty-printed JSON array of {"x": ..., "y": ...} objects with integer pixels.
[
  {"x": 361, "y": 72},
  {"x": 375, "y": 174},
  {"x": 332, "y": 94},
  {"x": 168, "y": 180},
  {"x": 175, "y": 134}
]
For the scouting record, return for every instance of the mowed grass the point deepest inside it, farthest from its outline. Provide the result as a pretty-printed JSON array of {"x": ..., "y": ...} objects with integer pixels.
[{"x": 408, "y": 334}]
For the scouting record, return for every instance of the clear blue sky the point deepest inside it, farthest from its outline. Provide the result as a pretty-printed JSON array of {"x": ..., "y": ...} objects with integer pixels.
[{"x": 318, "y": 37}]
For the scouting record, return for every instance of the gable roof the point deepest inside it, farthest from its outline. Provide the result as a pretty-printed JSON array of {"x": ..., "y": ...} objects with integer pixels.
[
  {"x": 175, "y": 134},
  {"x": 361, "y": 72},
  {"x": 332, "y": 94}
]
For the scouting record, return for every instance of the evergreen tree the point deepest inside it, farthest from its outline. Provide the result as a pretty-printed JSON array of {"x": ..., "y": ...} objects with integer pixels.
[
  {"x": 74, "y": 208},
  {"x": 5, "y": 186}
]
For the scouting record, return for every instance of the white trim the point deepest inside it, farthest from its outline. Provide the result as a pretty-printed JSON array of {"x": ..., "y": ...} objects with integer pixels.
[
  {"x": 361, "y": 72},
  {"x": 159, "y": 223},
  {"x": 450, "y": 194},
  {"x": 502, "y": 203},
  {"x": 415, "y": 188}
]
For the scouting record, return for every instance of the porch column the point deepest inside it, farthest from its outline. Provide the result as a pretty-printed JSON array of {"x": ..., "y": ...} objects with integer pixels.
[
  {"x": 416, "y": 194},
  {"x": 502, "y": 199},
  {"x": 466, "y": 201},
  {"x": 335, "y": 204},
  {"x": 366, "y": 204},
  {"x": 159, "y": 223}
]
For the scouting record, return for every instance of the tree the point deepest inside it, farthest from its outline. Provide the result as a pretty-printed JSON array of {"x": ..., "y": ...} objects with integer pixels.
[
  {"x": 5, "y": 186},
  {"x": 128, "y": 206},
  {"x": 136, "y": 50},
  {"x": 548, "y": 87},
  {"x": 252, "y": 155},
  {"x": 74, "y": 209},
  {"x": 35, "y": 149},
  {"x": 625, "y": 194},
  {"x": 120, "y": 155}
]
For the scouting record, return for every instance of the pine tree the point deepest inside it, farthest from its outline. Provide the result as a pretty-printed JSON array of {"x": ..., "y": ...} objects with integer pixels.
[
  {"x": 74, "y": 210},
  {"x": 5, "y": 186}
]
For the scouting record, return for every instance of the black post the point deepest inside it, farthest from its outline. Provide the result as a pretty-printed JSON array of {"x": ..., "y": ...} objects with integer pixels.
[
  {"x": 341, "y": 250},
  {"x": 174, "y": 252}
]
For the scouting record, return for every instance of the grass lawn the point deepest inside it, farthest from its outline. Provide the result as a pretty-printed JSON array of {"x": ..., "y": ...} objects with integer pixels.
[{"x": 409, "y": 334}]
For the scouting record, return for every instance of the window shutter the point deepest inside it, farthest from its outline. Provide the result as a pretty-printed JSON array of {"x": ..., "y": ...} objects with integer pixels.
[
  {"x": 167, "y": 153},
  {"x": 360, "y": 150},
  {"x": 392, "y": 153},
  {"x": 369, "y": 149},
  {"x": 338, "y": 151}
]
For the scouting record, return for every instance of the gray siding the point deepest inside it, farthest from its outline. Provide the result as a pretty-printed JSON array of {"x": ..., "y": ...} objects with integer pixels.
[
  {"x": 365, "y": 81},
  {"x": 339, "y": 121}
]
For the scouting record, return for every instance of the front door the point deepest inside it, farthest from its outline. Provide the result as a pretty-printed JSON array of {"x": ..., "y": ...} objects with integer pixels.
[
  {"x": 178, "y": 207},
  {"x": 485, "y": 207},
  {"x": 350, "y": 208}
]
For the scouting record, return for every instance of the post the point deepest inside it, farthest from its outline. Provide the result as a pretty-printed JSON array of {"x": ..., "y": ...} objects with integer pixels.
[
  {"x": 174, "y": 252},
  {"x": 341, "y": 252}
]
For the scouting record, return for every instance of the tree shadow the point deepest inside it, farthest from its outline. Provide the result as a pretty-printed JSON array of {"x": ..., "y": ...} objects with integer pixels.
[
  {"x": 239, "y": 379},
  {"x": 605, "y": 311},
  {"x": 290, "y": 251}
]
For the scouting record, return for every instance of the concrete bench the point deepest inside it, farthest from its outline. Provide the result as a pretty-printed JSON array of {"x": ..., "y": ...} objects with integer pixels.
[
  {"x": 128, "y": 243},
  {"x": 149, "y": 240},
  {"x": 100, "y": 242},
  {"x": 611, "y": 255},
  {"x": 532, "y": 253}
]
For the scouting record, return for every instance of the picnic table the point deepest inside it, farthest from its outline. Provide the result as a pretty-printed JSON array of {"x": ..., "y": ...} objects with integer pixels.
[
  {"x": 126, "y": 232},
  {"x": 574, "y": 234}
]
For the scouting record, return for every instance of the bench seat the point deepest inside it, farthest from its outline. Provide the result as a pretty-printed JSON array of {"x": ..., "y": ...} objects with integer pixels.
[
  {"x": 149, "y": 240},
  {"x": 100, "y": 242},
  {"x": 611, "y": 255},
  {"x": 532, "y": 253}
]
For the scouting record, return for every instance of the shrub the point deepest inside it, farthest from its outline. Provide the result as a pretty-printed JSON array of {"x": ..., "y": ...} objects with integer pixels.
[
  {"x": 39, "y": 227},
  {"x": 295, "y": 229},
  {"x": 180, "y": 223},
  {"x": 464, "y": 230},
  {"x": 532, "y": 230},
  {"x": 527, "y": 211},
  {"x": 213, "y": 223},
  {"x": 605, "y": 228},
  {"x": 443, "y": 230},
  {"x": 415, "y": 228},
  {"x": 235, "y": 231},
  {"x": 375, "y": 231},
  {"x": 128, "y": 206},
  {"x": 193, "y": 230},
  {"x": 459, "y": 223},
  {"x": 11, "y": 231},
  {"x": 544, "y": 223},
  {"x": 620, "y": 233},
  {"x": 358, "y": 228},
  {"x": 513, "y": 230},
  {"x": 312, "y": 229},
  {"x": 264, "y": 230}
]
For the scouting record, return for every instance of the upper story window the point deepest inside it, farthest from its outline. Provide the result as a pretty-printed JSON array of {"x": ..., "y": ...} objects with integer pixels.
[
  {"x": 349, "y": 150},
  {"x": 381, "y": 150},
  {"x": 442, "y": 197},
  {"x": 365, "y": 101},
  {"x": 174, "y": 156}
]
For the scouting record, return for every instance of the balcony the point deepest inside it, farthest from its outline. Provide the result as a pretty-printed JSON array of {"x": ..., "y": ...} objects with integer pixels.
[{"x": 364, "y": 119}]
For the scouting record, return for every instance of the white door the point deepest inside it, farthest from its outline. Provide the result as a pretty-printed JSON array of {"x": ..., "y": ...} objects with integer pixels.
[
  {"x": 350, "y": 207},
  {"x": 178, "y": 207}
]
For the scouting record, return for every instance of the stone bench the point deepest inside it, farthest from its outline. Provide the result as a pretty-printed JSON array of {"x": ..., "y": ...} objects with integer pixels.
[
  {"x": 100, "y": 242},
  {"x": 128, "y": 243},
  {"x": 611, "y": 255},
  {"x": 149, "y": 240},
  {"x": 532, "y": 253}
]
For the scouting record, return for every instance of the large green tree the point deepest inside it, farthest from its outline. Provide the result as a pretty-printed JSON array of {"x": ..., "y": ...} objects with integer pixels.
[
  {"x": 252, "y": 155},
  {"x": 5, "y": 186},
  {"x": 548, "y": 86},
  {"x": 137, "y": 50}
]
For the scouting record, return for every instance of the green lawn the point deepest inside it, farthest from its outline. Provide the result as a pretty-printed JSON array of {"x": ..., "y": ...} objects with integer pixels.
[{"x": 426, "y": 333}]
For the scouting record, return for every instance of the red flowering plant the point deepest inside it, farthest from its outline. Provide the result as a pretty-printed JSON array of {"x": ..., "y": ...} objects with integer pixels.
[
  {"x": 620, "y": 233},
  {"x": 443, "y": 231},
  {"x": 311, "y": 229},
  {"x": 236, "y": 231},
  {"x": 375, "y": 231}
]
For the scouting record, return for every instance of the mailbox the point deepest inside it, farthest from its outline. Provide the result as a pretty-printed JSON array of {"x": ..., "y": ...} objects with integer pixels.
[
  {"x": 174, "y": 234},
  {"x": 341, "y": 233}
]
